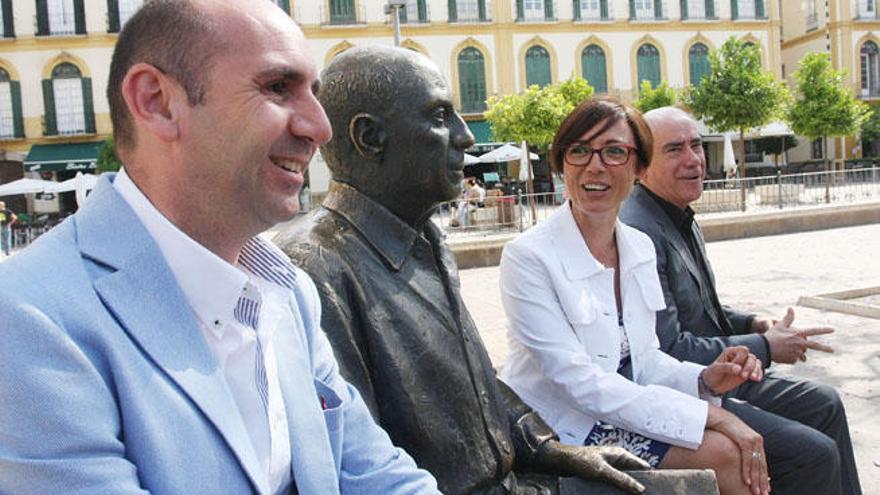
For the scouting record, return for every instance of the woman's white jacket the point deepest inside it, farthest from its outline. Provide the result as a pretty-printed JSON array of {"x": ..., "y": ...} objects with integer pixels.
[{"x": 564, "y": 339}]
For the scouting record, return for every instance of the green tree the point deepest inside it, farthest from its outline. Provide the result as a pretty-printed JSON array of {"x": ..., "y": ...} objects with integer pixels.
[
  {"x": 534, "y": 115},
  {"x": 870, "y": 133},
  {"x": 775, "y": 145},
  {"x": 107, "y": 160},
  {"x": 824, "y": 106},
  {"x": 651, "y": 98},
  {"x": 737, "y": 94}
]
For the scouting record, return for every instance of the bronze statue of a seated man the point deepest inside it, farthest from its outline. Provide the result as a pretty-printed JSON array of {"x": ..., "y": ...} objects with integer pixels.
[{"x": 390, "y": 289}]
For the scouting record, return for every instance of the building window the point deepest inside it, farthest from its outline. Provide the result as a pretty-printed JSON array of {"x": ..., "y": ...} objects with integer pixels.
[
  {"x": 816, "y": 149},
  {"x": 534, "y": 10},
  {"x": 867, "y": 9},
  {"x": 645, "y": 9},
  {"x": 68, "y": 102},
  {"x": 6, "y": 20},
  {"x": 472, "y": 80},
  {"x": 342, "y": 12},
  {"x": 594, "y": 68},
  {"x": 11, "y": 125},
  {"x": 812, "y": 15},
  {"x": 648, "y": 65},
  {"x": 591, "y": 10},
  {"x": 414, "y": 11},
  {"x": 538, "y": 66},
  {"x": 870, "y": 69},
  {"x": 60, "y": 17},
  {"x": 697, "y": 9},
  {"x": 467, "y": 11},
  {"x": 747, "y": 9},
  {"x": 119, "y": 12},
  {"x": 283, "y": 5},
  {"x": 698, "y": 62}
]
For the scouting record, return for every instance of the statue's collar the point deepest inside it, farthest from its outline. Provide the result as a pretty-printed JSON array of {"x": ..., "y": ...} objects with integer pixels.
[{"x": 390, "y": 236}]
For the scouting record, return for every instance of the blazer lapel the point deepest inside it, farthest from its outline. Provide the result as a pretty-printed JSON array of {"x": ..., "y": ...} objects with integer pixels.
[
  {"x": 144, "y": 298},
  {"x": 312, "y": 457}
]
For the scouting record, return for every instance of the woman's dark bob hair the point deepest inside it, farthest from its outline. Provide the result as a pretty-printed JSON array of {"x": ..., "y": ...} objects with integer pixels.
[{"x": 607, "y": 111}]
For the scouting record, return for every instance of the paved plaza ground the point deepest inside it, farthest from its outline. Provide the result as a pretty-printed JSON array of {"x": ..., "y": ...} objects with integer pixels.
[{"x": 766, "y": 275}]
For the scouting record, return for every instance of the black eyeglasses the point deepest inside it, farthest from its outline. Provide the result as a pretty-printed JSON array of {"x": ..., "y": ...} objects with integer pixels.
[{"x": 578, "y": 154}]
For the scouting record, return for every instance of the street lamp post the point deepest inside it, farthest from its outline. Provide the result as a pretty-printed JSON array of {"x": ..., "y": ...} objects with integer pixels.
[{"x": 393, "y": 8}]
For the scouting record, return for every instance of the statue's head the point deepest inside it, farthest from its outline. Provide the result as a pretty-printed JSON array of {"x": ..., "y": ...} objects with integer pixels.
[{"x": 396, "y": 136}]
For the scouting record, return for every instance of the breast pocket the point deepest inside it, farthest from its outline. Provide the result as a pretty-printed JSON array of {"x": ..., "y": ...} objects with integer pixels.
[
  {"x": 334, "y": 416},
  {"x": 585, "y": 314}
]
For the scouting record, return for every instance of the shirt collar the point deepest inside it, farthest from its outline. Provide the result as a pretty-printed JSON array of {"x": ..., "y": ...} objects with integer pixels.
[
  {"x": 681, "y": 218},
  {"x": 391, "y": 237},
  {"x": 211, "y": 285}
]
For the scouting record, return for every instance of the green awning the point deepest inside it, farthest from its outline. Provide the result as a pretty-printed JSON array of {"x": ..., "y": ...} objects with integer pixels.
[
  {"x": 66, "y": 156},
  {"x": 481, "y": 130}
]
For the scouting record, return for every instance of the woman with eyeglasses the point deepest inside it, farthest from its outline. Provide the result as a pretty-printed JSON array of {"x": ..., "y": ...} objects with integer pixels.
[{"x": 581, "y": 290}]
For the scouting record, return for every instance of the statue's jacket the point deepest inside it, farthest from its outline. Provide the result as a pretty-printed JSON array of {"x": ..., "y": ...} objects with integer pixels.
[{"x": 394, "y": 316}]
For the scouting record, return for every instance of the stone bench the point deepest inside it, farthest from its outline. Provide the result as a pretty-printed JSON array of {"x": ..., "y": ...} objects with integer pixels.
[
  {"x": 769, "y": 194},
  {"x": 714, "y": 200}
]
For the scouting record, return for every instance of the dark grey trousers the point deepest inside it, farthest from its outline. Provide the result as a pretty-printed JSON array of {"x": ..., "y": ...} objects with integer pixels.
[{"x": 805, "y": 432}]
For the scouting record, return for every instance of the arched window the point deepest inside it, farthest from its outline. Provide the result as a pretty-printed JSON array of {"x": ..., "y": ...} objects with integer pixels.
[
  {"x": 68, "y": 101},
  {"x": 60, "y": 17},
  {"x": 342, "y": 12},
  {"x": 472, "y": 80},
  {"x": 467, "y": 11},
  {"x": 648, "y": 65},
  {"x": 698, "y": 61},
  {"x": 119, "y": 12},
  {"x": 10, "y": 107},
  {"x": 538, "y": 66},
  {"x": 870, "y": 69},
  {"x": 594, "y": 67}
]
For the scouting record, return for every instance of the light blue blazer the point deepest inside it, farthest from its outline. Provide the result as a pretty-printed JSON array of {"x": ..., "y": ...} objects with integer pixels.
[{"x": 107, "y": 385}]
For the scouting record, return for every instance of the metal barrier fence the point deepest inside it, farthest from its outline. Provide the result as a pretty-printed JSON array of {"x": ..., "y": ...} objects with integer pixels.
[{"x": 518, "y": 212}]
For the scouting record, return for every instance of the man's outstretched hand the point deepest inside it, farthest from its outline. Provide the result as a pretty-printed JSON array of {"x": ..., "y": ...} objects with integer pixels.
[{"x": 591, "y": 463}]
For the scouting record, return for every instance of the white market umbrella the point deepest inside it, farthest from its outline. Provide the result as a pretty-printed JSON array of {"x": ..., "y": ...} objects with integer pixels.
[
  {"x": 729, "y": 157},
  {"x": 470, "y": 159},
  {"x": 505, "y": 153},
  {"x": 25, "y": 186},
  {"x": 84, "y": 181},
  {"x": 525, "y": 165}
]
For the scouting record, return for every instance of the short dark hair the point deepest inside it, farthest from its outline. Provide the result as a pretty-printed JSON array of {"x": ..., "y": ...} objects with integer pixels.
[
  {"x": 177, "y": 37},
  {"x": 371, "y": 80},
  {"x": 593, "y": 112}
]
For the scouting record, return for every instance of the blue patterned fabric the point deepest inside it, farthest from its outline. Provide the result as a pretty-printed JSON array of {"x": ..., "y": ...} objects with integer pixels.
[{"x": 647, "y": 449}]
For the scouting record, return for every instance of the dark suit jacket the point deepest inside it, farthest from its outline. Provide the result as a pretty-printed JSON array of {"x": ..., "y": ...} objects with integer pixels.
[{"x": 690, "y": 327}]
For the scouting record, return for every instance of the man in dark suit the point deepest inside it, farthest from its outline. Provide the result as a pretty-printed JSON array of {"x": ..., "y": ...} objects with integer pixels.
[{"x": 789, "y": 412}]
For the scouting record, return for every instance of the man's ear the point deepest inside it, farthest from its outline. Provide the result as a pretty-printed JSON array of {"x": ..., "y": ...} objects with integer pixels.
[
  {"x": 367, "y": 134},
  {"x": 153, "y": 99}
]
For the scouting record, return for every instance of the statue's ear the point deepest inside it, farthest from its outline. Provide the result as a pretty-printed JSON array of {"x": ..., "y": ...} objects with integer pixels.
[{"x": 367, "y": 134}]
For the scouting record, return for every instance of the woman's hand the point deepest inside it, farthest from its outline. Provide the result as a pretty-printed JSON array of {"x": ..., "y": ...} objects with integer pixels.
[
  {"x": 751, "y": 448},
  {"x": 732, "y": 367}
]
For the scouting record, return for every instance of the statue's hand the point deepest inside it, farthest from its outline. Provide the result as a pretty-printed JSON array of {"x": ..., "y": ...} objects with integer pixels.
[{"x": 591, "y": 463}]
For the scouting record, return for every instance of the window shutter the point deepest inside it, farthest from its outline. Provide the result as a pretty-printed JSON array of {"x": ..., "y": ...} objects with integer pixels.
[
  {"x": 759, "y": 9},
  {"x": 453, "y": 12},
  {"x": 658, "y": 9},
  {"x": 8, "y": 20},
  {"x": 285, "y": 5},
  {"x": 423, "y": 11},
  {"x": 88, "y": 105},
  {"x": 710, "y": 9},
  {"x": 632, "y": 9},
  {"x": 42, "y": 18},
  {"x": 17, "y": 119},
  {"x": 481, "y": 5},
  {"x": 51, "y": 126},
  {"x": 684, "y": 9},
  {"x": 520, "y": 12},
  {"x": 79, "y": 16},
  {"x": 734, "y": 9},
  {"x": 577, "y": 9},
  {"x": 113, "y": 16},
  {"x": 593, "y": 64},
  {"x": 548, "y": 10},
  {"x": 603, "y": 8}
]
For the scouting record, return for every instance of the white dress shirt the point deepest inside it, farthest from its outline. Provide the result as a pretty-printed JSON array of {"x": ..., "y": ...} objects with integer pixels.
[{"x": 212, "y": 288}]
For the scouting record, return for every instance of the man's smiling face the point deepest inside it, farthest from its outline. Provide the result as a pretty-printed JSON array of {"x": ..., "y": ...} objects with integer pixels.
[{"x": 679, "y": 164}]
